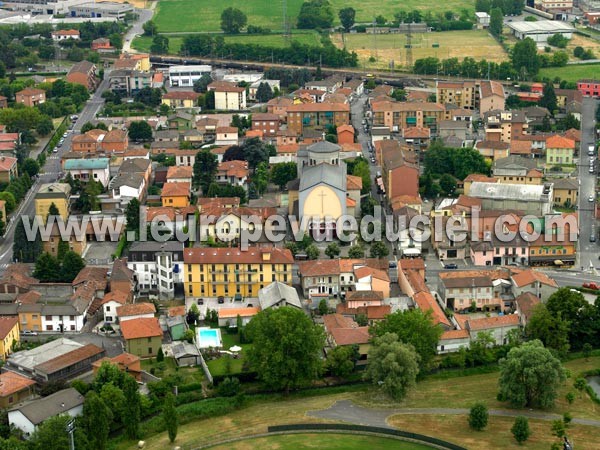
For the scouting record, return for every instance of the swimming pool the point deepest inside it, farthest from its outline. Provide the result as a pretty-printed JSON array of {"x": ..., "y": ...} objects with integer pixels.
[{"x": 209, "y": 337}]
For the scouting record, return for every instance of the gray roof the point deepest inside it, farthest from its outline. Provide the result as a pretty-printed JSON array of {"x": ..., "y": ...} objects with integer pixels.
[
  {"x": 152, "y": 246},
  {"x": 133, "y": 180},
  {"x": 334, "y": 176},
  {"x": 164, "y": 134},
  {"x": 76, "y": 308},
  {"x": 182, "y": 349},
  {"x": 515, "y": 161},
  {"x": 523, "y": 192},
  {"x": 135, "y": 165},
  {"x": 275, "y": 292},
  {"x": 58, "y": 403},
  {"x": 174, "y": 321},
  {"x": 566, "y": 183},
  {"x": 467, "y": 282},
  {"x": 28, "y": 359},
  {"x": 541, "y": 26},
  {"x": 323, "y": 147}
]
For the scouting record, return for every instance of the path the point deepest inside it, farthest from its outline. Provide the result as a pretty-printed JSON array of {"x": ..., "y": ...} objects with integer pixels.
[{"x": 347, "y": 411}]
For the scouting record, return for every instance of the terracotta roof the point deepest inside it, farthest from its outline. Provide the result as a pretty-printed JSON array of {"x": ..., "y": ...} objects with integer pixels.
[
  {"x": 480, "y": 177},
  {"x": 493, "y": 145},
  {"x": 344, "y": 330},
  {"x": 342, "y": 128},
  {"x": 227, "y": 130},
  {"x": 319, "y": 267},
  {"x": 28, "y": 298},
  {"x": 526, "y": 302},
  {"x": 288, "y": 148},
  {"x": 140, "y": 328},
  {"x": 416, "y": 132},
  {"x": 18, "y": 274},
  {"x": 365, "y": 271},
  {"x": 180, "y": 172},
  {"x": 265, "y": 117},
  {"x": 220, "y": 202},
  {"x": 529, "y": 276},
  {"x": 7, "y": 163},
  {"x": 115, "y": 135},
  {"x": 169, "y": 212},
  {"x": 31, "y": 91},
  {"x": 224, "y": 86},
  {"x": 489, "y": 88},
  {"x": 426, "y": 302},
  {"x": 412, "y": 263},
  {"x": 454, "y": 334},
  {"x": 406, "y": 106},
  {"x": 69, "y": 359},
  {"x": 7, "y": 324},
  {"x": 175, "y": 311},
  {"x": 485, "y": 323},
  {"x": 573, "y": 134},
  {"x": 135, "y": 309},
  {"x": 98, "y": 275},
  {"x": 181, "y": 95},
  {"x": 175, "y": 189},
  {"x": 353, "y": 183},
  {"x": 235, "y": 168},
  {"x": 253, "y": 255},
  {"x": 364, "y": 296},
  {"x": 319, "y": 107},
  {"x": 11, "y": 383},
  {"x": 227, "y": 313},
  {"x": 115, "y": 296},
  {"x": 254, "y": 133},
  {"x": 65, "y": 33},
  {"x": 125, "y": 361},
  {"x": 559, "y": 142}
]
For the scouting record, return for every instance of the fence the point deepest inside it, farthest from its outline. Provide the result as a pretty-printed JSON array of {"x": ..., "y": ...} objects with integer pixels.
[{"x": 205, "y": 369}]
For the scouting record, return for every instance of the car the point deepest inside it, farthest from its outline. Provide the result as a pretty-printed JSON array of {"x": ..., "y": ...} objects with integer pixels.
[
  {"x": 59, "y": 145},
  {"x": 74, "y": 117},
  {"x": 591, "y": 169},
  {"x": 28, "y": 333},
  {"x": 55, "y": 151},
  {"x": 65, "y": 134},
  {"x": 221, "y": 300},
  {"x": 591, "y": 198},
  {"x": 451, "y": 266},
  {"x": 201, "y": 301},
  {"x": 593, "y": 237}
]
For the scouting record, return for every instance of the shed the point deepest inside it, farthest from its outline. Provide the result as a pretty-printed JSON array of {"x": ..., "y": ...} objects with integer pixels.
[{"x": 185, "y": 354}]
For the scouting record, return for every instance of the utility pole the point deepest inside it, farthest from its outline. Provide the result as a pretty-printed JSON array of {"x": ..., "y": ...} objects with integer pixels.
[
  {"x": 409, "y": 56},
  {"x": 71, "y": 430}
]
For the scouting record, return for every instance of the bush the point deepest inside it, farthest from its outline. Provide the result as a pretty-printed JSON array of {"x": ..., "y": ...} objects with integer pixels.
[
  {"x": 478, "y": 417},
  {"x": 229, "y": 387}
]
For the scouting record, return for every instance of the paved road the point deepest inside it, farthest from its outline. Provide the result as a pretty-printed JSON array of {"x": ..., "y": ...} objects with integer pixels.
[
  {"x": 346, "y": 411},
  {"x": 144, "y": 15}
]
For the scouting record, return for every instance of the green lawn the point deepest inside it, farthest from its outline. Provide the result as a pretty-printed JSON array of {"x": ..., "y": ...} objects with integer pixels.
[
  {"x": 572, "y": 72},
  {"x": 219, "y": 366},
  {"x": 205, "y": 15},
  {"x": 321, "y": 441},
  {"x": 169, "y": 367},
  {"x": 143, "y": 43}
]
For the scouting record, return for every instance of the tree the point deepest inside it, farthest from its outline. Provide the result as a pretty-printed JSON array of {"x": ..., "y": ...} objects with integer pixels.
[
  {"x": 193, "y": 315},
  {"x": 478, "y": 417},
  {"x": 132, "y": 216},
  {"x": 264, "y": 93},
  {"x": 356, "y": 251},
  {"x": 286, "y": 347},
  {"x": 72, "y": 264},
  {"x": 140, "y": 130},
  {"x": 340, "y": 361},
  {"x": 150, "y": 28},
  {"x": 9, "y": 198},
  {"x": 361, "y": 169},
  {"x": 530, "y": 376},
  {"x": 323, "y": 308},
  {"x": 202, "y": 83},
  {"x": 525, "y": 59},
  {"x": 578, "y": 51},
  {"x": 332, "y": 250},
  {"x": 160, "y": 356},
  {"x": 44, "y": 126},
  {"x": 379, "y": 250},
  {"x": 458, "y": 162},
  {"x": 551, "y": 329},
  {"x": 548, "y": 99},
  {"x": 233, "y": 20},
  {"x": 169, "y": 415},
  {"x": 520, "y": 429},
  {"x": 229, "y": 387},
  {"x": 447, "y": 184},
  {"x": 51, "y": 434},
  {"x": 90, "y": 126},
  {"x": 380, "y": 20},
  {"x": 131, "y": 410},
  {"x": 205, "y": 169},
  {"x": 415, "y": 327},
  {"x": 393, "y": 365},
  {"x": 97, "y": 417},
  {"x": 255, "y": 152},
  {"x": 480, "y": 350},
  {"x": 25, "y": 250},
  {"x": 260, "y": 179},
  {"x": 47, "y": 268},
  {"x": 160, "y": 44},
  {"x": 31, "y": 167},
  {"x": 283, "y": 173},
  {"x": 315, "y": 14},
  {"x": 496, "y": 19},
  {"x": 312, "y": 251},
  {"x": 347, "y": 16}
]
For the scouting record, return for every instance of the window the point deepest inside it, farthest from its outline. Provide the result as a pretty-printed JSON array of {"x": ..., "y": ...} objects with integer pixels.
[
  {"x": 48, "y": 317},
  {"x": 149, "y": 350},
  {"x": 71, "y": 318},
  {"x": 107, "y": 308}
]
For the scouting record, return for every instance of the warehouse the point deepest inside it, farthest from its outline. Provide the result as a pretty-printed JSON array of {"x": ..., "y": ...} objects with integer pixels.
[{"x": 541, "y": 30}]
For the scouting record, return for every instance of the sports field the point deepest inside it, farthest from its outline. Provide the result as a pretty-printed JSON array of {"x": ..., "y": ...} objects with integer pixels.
[
  {"x": 384, "y": 48},
  {"x": 205, "y": 15},
  {"x": 143, "y": 43},
  {"x": 321, "y": 441}
]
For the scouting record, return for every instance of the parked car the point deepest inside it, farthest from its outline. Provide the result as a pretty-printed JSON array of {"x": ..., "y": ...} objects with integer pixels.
[
  {"x": 451, "y": 266},
  {"x": 28, "y": 333},
  {"x": 591, "y": 198},
  {"x": 221, "y": 300}
]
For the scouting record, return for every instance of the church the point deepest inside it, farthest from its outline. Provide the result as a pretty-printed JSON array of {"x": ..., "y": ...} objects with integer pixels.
[{"x": 323, "y": 192}]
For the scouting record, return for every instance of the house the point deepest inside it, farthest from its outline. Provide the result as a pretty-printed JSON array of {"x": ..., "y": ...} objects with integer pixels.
[
  {"x": 110, "y": 303},
  {"x": 495, "y": 251},
  {"x": 185, "y": 354},
  {"x": 498, "y": 326},
  {"x": 566, "y": 191},
  {"x": 30, "y": 97},
  {"x": 505, "y": 125},
  {"x": 123, "y": 278},
  {"x": 425, "y": 301},
  {"x": 115, "y": 141},
  {"x": 559, "y": 151},
  {"x": 491, "y": 96},
  {"x": 30, "y": 416},
  {"x": 88, "y": 142},
  {"x": 9, "y": 335},
  {"x": 180, "y": 174},
  {"x": 133, "y": 311},
  {"x": 228, "y": 316},
  {"x": 235, "y": 272},
  {"x": 176, "y": 326},
  {"x": 125, "y": 362},
  {"x": 278, "y": 294},
  {"x": 317, "y": 116},
  {"x": 181, "y": 121},
  {"x": 62, "y": 35},
  {"x": 525, "y": 306},
  {"x": 102, "y": 45},
  {"x": 483, "y": 20},
  {"x": 84, "y": 73},
  {"x": 371, "y": 279},
  {"x": 534, "y": 281},
  {"x": 493, "y": 150},
  {"x": 399, "y": 115},
  {"x": 180, "y": 99},
  {"x": 268, "y": 123},
  {"x": 341, "y": 331},
  {"x": 460, "y": 93},
  {"x": 228, "y": 96},
  {"x": 279, "y": 106},
  {"x": 96, "y": 169},
  {"x": 143, "y": 336},
  {"x": 14, "y": 388},
  {"x": 175, "y": 194},
  {"x": 8, "y": 169},
  {"x": 57, "y": 194},
  {"x": 589, "y": 88},
  {"x": 158, "y": 266},
  {"x": 129, "y": 81},
  {"x": 76, "y": 242},
  {"x": 226, "y": 136},
  {"x": 127, "y": 186},
  {"x": 516, "y": 169},
  {"x": 234, "y": 173},
  {"x": 329, "y": 84},
  {"x": 345, "y": 134},
  {"x": 460, "y": 290}
]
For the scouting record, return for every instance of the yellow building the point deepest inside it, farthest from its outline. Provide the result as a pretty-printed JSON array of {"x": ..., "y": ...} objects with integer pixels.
[
  {"x": 142, "y": 60},
  {"x": 559, "y": 151},
  {"x": 57, "y": 193},
  {"x": 230, "y": 272},
  {"x": 176, "y": 194},
  {"x": 459, "y": 93},
  {"x": 180, "y": 99},
  {"x": 9, "y": 333},
  {"x": 566, "y": 191}
]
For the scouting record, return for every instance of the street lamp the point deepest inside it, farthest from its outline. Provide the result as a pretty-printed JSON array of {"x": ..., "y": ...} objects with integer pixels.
[{"x": 70, "y": 430}]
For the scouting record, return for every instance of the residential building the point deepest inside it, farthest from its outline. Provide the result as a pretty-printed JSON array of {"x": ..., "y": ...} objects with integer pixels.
[
  {"x": 77, "y": 240},
  {"x": 175, "y": 194},
  {"x": 228, "y": 316},
  {"x": 493, "y": 150},
  {"x": 213, "y": 272},
  {"x": 341, "y": 331},
  {"x": 234, "y": 173},
  {"x": 158, "y": 266},
  {"x": 589, "y": 88},
  {"x": 317, "y": 116},
  {"x": 125, "y": 362},
  {"x": 129, "y": 81},
  {"x": 14, "y": 388},
  {"x": 453, "y": 340},
  {"x": 459, "y": 291},
  {"x": 3, "y": 102},
  {"x": 525, "y": 306},
  {"x": 559, "y": 151},
  {"x": 143, "y": 336},
  {"x": 134, "y": 311},
  {"x": 180, "y": 174},
  {"x": 30, "y": 416},
  {"x": 186, "y": 76},
  {"x": 553, "y": 249},
  {"x": 84, "y": 73},
  {"x": 345, "y": 134},
  {"x": 399, "y": 115},
  {"x": 279, "y": 106},
  {"x": 9, "y": 335},
  {"x": 110, "y": 303},
  {"x": 516, "y": 169},
  {"x": 483, "y": 20},
  {"x": 491, "y": 96},
  {"x": 566, "y": 191},
  {"x": 534, "y": 281},
  {"x": 62, "y": 35},
  {"x": 329, "y": 84},
  {"x": 460, "y": 93},
  {"x": 504, "y": 125},
  {"x": 96, "y": 169},
  {"x": 122, "y": 278},
  {"x": 180, "y": 99},
  {"x": 268, "y": 123},
  {"x": 531, "y": 199},
  {"x": 8, "y": 169},
  {"x": 102, "y": 45},
  {"x": 497, "y": 326},
  {"x": 494, "y": 251},
  {"x": 30, "y": 97},
  {"x": 228, "y": 96},
  {"x": 226, "y": 136},
  {"x": 115, "y": 141},
  {"x": 88, "y": 142},
  {"x": 58, "y": 194}
]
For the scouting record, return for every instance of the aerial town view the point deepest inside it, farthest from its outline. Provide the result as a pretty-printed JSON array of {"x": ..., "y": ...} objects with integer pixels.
[{"x": 307, "y": 224}]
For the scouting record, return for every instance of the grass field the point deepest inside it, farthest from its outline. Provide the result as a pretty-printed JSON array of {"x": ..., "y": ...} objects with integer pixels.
[
  {"x": 205, "y": 15},
  {"x": 460, "y": 392},
  {"x": 143, "y": 43},
  {"x": 572, "y": 72},
  {"x": 219, "y": 366},
  {"x": 321, "y": 441},
  {"x": 169, "y": 367},
  {"x": 477, "y": 44}
]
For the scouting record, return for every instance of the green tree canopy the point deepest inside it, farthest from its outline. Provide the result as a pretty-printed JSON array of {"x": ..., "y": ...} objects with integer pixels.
[
  {"x": 286, "y": 347},
  {"x": 97, "y": 417},
  {"x": 315, "y": 14},
  {"x": 169, "y": 414},
  {"x": 478, "y": 417},
  {"x": 72, "y": 264},
  {"x": 525, "y": 59},
  {"x": 47, "y": 268},
  {"x": 347, "y": 16},
  {"x": 205, "y": 169},
  {"x": 551, "y": 329},
  {"x": 332, "y": 250},
  {"x": 140, "y": 131},
  {"x": 520, "y": 429},
  {"x": 233, "y": 20},
  {"x": 458, "y": 162},
  {"x": 340, "y": 361},
  {"x": 496, "y": 21},
  {"x": 283, "y": 173},
  {"x": 548, "y": 99}
]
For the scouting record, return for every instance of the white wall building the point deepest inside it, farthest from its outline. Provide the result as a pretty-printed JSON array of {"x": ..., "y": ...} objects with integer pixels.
[
  {"x": 541, "y": 30},
  {"x": 187, "y": 75}
]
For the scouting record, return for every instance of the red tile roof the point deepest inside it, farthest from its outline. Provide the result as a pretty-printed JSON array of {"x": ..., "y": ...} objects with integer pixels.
[
  {"x": 141, "y": 328},
  {"x": 227, "y": 313},
  {"x": 69, "y": 359},
  {"x": 135, "y": 309},
  {"x": 344, "y": 330},
  {"x": 7, "y": 324},
  {"x": 180, "y": 172},
  {"x": 485, "y": 323},
  {"x": 7, "y": 163},
  {"x": 426, "y": 302},
  {"x": 253, "y": 255},
  {"x": 176, "y": 189},
  {"x": 526, "y": 303},
  {"x": 181, "y": 95},
  {"x": 454, "y": 334},
  {"x": 529, "y": 276},
  {"x": 559, "y": 142},
  {"x": 175, "y": 311},
  {"x": 11, "y": 383}
]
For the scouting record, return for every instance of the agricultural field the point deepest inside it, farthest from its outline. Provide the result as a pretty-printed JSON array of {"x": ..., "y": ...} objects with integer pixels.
[
  {"x": 204, "y": 15},
  {"x": 572, "y": 72},
  {"x": 390, "y": 47},
  {"x": 143, "y": 43}
]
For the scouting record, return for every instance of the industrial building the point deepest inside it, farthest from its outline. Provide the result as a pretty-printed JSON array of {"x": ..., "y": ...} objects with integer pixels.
[{"x": 541, "y": 30}]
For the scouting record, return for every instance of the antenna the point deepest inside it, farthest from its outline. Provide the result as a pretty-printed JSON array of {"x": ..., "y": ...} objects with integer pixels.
[{"x": 408, "y": 46}]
